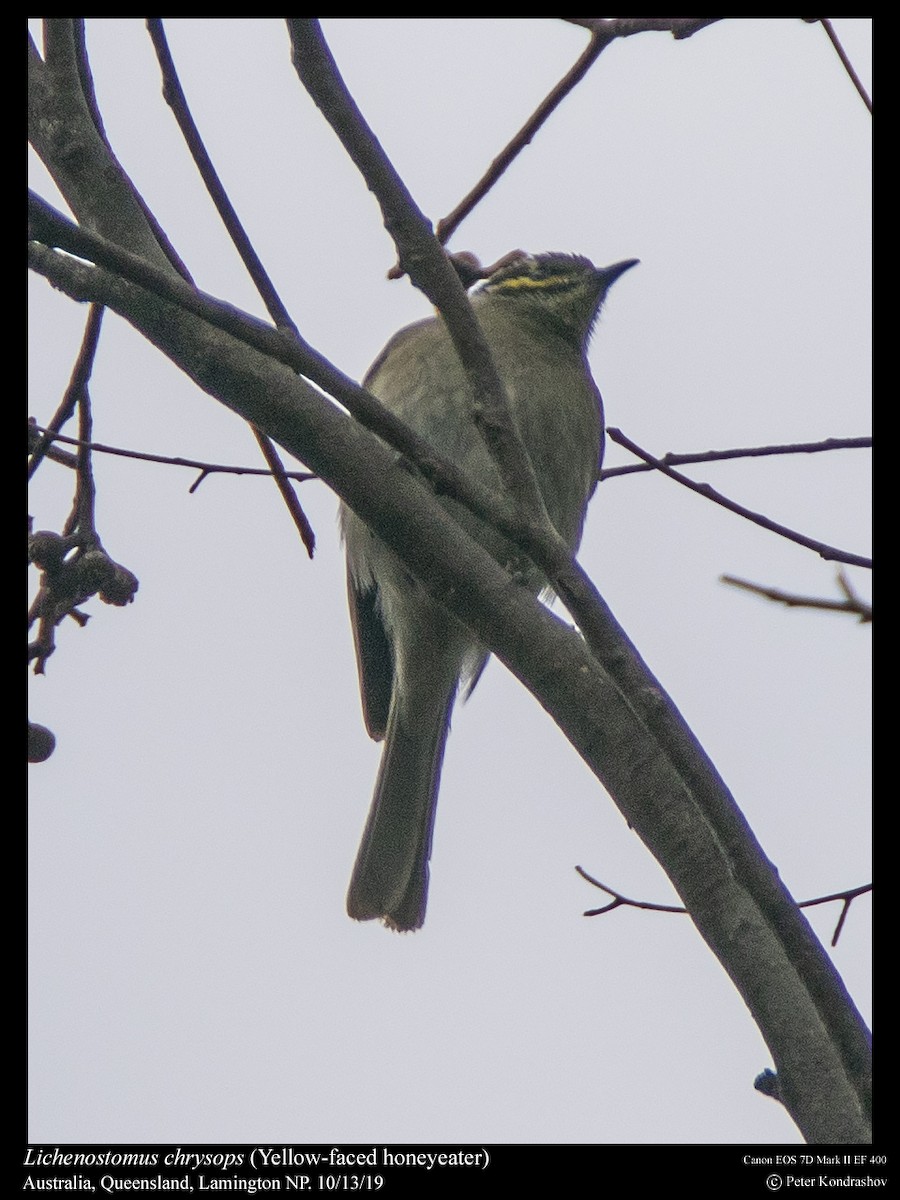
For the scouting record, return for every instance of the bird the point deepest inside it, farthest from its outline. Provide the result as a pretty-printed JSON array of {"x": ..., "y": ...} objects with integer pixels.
[{"x": 537, "y": 314}]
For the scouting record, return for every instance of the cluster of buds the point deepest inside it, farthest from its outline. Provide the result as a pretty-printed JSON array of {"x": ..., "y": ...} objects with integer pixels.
[{"x": 71, "y": 573}]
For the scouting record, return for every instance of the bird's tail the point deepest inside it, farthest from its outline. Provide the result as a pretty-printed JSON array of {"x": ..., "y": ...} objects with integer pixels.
[{"x": 390, "y": 877}]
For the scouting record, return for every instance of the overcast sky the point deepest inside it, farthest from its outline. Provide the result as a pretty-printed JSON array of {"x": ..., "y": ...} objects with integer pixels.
[{"x": 194, "y": 977}]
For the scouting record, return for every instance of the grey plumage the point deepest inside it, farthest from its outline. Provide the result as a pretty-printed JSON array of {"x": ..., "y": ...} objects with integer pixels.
[{"x": 537, "y": 315}]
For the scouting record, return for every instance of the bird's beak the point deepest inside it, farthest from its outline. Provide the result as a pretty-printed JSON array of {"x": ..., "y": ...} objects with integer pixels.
[{"x": 609, "y": 275}]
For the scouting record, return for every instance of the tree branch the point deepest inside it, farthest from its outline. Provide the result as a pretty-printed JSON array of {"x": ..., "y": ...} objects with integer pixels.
[
  {"x": 170, "y": 460},
  {"x": 598, "y": 690},
  {"x": 705, "y": 456},
  {"x": 852, "y": 602},
  {"x": 818, "y": 1041},
  {"x": 831, "y": 553},
  {"x": 603, "y": 31},
  {"x": 423, "y": 259},
  {"x": 848, "y": 65}
]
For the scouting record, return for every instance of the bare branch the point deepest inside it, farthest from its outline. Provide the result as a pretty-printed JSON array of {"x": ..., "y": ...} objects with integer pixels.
[
  {"x": 448, "y": 225},
  {"x": 603, "y": 32},
  {"x": 617, "y": 715},
  {"x": 81, "y": 372},
  {"x": 848, "y": 65},
  {"x": 74, "y": 565},
  {"x": 852, "y": 602},
  {"x": 175, "y": 97},
  {"x": 620, "y": 901},
  {"x": 846, "y": 897},
  {"x": 282, "y": 479},
  {"x": 205, "y": 468},
  {"x": 52, "y": 228},
  {"x": 610, "y": 28},
  {"x": 423, "y": 259},
  {"x": 832, "y": 553},
  {"x": 597, "y": 688},
  {"x": 680, "y": 460},
  {"x": 64, "y": 129}
]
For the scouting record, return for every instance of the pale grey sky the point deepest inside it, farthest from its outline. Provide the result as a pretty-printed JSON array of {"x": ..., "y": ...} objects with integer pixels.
[{"x": 193, "y": 975}]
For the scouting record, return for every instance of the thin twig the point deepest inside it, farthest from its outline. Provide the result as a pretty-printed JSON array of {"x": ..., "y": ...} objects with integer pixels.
[
  {"x": 848, "y": 65},
  {"x": 831, "y": 553},
  {"x": 846, "y": 899},
  {"x": 448, "y": 225},
  {"x": 852, "y": 602},
  {"x": 82, "y": 517},
  {"x": 288, "y": 495},
  {"x": 74, "y": 565},
  {"x": 63, "y": 457},
  {"x": 619, "y": 901},
  {"x": 77, "y": 382},
  {"x": 680, "y": 460},
  {"x": 205, "y": 468},
  {"x": 173, "y": 93},
  {"x": 177, "y": 101},
  {"x": 603, "y": 32}
]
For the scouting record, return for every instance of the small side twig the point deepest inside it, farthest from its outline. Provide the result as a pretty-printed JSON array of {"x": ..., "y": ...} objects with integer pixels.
[
  {"x": 619, "y": 901},
  {"x": 205, "y": 468},
  {"x": 852, "y": 602},
  {"x": 846, "y": 898}
]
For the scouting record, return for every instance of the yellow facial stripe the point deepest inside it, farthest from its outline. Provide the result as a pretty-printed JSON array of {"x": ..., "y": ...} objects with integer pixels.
[{"x": 529, "y": 281}]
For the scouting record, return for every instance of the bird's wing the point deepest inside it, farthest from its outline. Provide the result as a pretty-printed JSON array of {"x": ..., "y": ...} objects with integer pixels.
[{"x": 374, "y": 658}]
